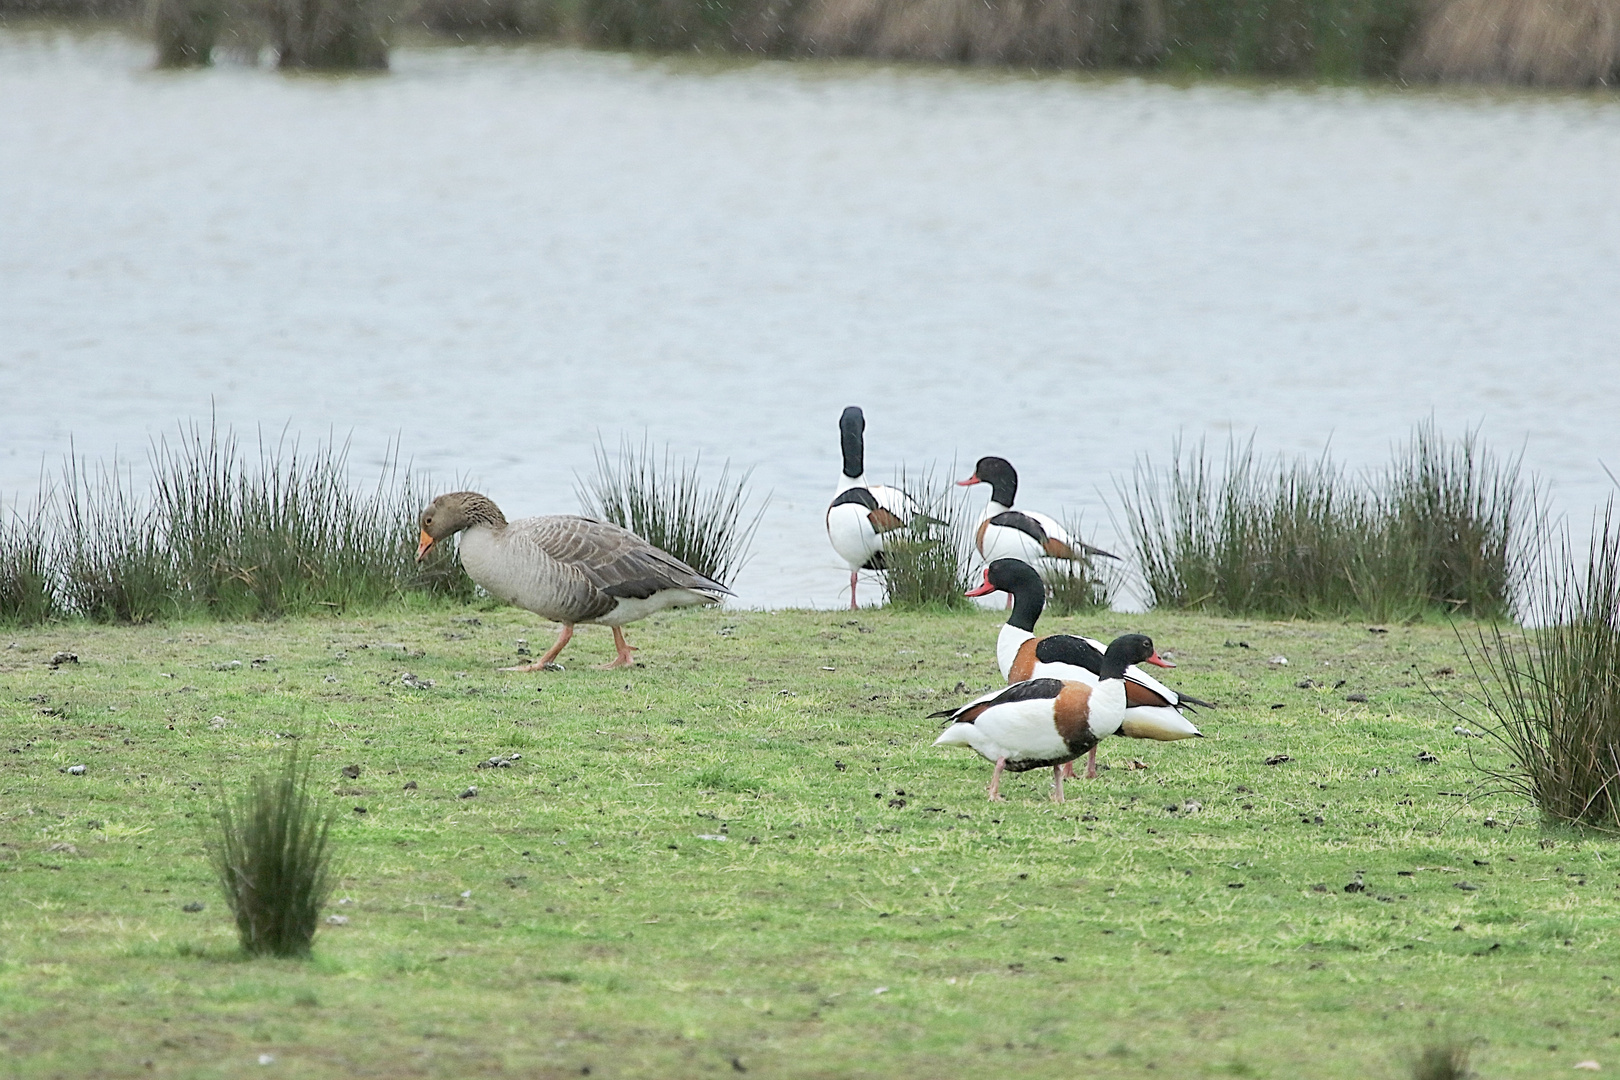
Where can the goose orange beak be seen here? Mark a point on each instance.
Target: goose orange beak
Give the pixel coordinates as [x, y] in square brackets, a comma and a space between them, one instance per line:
[1159, 661]
[970, 481]
[423, 545]
[985, 589]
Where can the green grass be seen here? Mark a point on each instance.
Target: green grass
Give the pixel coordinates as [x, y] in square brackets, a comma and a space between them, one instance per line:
[571, 916]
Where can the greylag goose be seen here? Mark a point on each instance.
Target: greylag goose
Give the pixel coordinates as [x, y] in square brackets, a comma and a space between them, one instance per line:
[1043, 723]
[1153, 709]
[565, 568]
[1005, 533]
[863, 515]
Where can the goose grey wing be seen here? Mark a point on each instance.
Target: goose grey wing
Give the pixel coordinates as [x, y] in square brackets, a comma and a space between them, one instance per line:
[615, 560]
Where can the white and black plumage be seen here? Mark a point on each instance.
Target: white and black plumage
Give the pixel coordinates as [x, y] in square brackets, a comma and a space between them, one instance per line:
[1040, 723]
[1005, 533]
[565, 568]
[1154, 711]
[862, 516]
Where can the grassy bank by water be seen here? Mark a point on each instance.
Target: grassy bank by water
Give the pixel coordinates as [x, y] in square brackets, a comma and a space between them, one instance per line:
[745, 856]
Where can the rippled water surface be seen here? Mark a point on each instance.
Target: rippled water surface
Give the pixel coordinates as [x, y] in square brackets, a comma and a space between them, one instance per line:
[496, 254]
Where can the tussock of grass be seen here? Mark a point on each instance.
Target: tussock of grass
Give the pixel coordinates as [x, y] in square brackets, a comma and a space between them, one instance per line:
[218, 534]
[1081, 586]
[669, 506]
[928, 565]
[1555, 693]
[1442, 1061]
[330, 35]
[1443, 527]
[27, 595]
[273, 857]
[1539, 42]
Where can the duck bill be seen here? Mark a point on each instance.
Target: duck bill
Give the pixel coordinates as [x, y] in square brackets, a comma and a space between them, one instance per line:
[970, 481]
[983, 590]
[1158, 661]
[423, 545]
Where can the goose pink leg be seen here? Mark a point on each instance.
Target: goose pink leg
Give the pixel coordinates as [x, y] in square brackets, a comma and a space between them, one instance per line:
[1057, 782]
[551, 653]
[624, 659]
[1091, 765]
[854, 575]
[995, 781]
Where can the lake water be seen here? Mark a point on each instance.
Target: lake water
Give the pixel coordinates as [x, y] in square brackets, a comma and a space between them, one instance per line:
[496, 255]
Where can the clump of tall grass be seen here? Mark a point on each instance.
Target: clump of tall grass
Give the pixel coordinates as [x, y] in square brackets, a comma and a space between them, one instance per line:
[928, 564]
[113, 561]
[1554, 693]
[27, 589]
[1080, 586]
[1570, 43]
[185, 30]
[271, 851]
[1037, 33]
[1442, 1061]
[1441, 527]
[220, 533]
[669, 506]
[285, 533]
[491, 17]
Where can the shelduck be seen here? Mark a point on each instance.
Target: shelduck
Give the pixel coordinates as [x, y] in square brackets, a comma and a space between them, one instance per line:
[862, 515]
[1005, 533]
[1041, 723]
[568, 569]
[1153, 709]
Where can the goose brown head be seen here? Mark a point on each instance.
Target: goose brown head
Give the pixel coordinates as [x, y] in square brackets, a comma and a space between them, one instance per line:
[449, 514]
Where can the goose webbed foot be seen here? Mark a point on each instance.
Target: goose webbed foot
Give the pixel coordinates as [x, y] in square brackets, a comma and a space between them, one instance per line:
[624, 659]
[548, 662]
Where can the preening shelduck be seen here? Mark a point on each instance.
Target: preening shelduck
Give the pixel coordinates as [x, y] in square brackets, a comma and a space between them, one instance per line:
[862, 515]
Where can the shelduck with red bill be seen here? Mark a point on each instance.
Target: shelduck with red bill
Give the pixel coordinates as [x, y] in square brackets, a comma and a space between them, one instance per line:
[863, 516]
[1046, 723]
[1154, 711]
[1005, 533]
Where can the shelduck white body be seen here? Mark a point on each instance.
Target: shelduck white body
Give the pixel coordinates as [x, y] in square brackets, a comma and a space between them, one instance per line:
[862, 515]
[1153, 709]
[1027, 535]
[1046, 722]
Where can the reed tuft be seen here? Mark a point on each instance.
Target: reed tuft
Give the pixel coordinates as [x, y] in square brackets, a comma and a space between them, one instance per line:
[327, 35]
[1535, 42]
[1442, 1061]
[1443, 527]
[272, 853]
[928, 565]
[27, 590]
[219, 533]
[669, 506]
[1554, 694]
[185, 31]
[1081, 586]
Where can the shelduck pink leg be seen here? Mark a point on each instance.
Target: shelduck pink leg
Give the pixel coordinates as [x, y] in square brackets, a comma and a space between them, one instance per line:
[624, 659]
[1091, 765]
[1057, 783]
[1068, 770]
[551, 653]
[854, 575]
[995, 780]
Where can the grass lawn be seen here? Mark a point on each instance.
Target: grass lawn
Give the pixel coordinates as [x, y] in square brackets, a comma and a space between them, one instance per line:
[745, 856]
